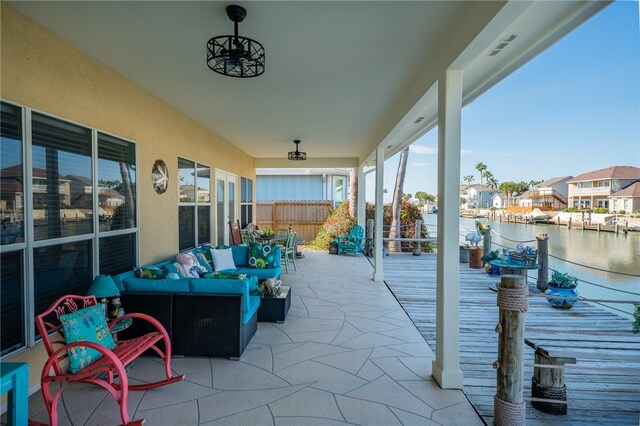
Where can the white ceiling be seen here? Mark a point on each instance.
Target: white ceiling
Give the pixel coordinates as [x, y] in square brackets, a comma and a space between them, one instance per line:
[341, 76]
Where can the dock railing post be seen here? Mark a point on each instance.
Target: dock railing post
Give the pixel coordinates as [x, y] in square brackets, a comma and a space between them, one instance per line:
[543, 260]
[508, 402]
[486, 241]
[417, 234]
[369, 242]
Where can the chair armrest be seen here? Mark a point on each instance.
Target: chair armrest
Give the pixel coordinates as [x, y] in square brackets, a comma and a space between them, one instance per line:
[145, 317]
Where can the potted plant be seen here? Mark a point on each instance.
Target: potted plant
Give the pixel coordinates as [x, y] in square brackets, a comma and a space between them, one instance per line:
[563, 287]
[464, 253]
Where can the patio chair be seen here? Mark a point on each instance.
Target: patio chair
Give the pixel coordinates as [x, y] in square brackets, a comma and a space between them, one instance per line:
[234, 232]
[351, 243]
[289, 252]
[108, 364]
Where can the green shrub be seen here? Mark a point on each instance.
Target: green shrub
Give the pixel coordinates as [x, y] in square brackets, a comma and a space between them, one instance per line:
[408, 215]
[601, 210]
[338, 223]
[563, 280]
[571, 210]
[622, 212]
[636, 322]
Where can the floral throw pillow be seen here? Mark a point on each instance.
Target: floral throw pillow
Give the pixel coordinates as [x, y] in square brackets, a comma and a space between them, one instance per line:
[226, 276]
[151, 273]
[262, 256]
[190, 264]
[203, 261]
[88, 325]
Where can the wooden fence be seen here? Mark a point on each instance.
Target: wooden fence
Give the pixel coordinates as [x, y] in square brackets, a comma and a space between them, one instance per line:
[305, 217]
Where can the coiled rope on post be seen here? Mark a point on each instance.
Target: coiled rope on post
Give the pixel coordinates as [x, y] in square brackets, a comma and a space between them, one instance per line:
[513, 299]
[508, 413]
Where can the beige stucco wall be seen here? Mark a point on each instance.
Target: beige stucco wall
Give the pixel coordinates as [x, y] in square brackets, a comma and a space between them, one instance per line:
[42, 71]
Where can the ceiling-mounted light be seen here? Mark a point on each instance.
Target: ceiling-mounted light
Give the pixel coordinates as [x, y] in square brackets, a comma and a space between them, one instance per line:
[297, 155]
[234, 55]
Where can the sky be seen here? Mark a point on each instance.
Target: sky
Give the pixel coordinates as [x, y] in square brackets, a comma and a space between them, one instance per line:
[574, 108]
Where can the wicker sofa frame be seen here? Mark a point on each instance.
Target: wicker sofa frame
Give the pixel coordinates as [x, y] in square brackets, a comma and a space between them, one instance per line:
[198, 324]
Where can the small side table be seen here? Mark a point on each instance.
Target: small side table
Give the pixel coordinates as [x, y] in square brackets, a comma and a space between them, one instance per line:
[15, 381]
[274, 307]
[514, 268]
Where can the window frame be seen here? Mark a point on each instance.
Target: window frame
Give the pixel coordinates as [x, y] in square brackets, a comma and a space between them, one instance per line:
[245, 202]
[27, 247]
[195, 204]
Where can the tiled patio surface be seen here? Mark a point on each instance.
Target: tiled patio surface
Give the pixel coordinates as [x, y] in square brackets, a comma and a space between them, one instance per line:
[347, 354]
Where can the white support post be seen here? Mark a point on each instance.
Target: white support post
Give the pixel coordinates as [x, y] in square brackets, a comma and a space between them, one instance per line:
[377, 238]
[446, 367]
[362, 198]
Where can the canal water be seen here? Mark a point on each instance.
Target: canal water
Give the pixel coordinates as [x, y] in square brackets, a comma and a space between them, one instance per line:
[585, 249]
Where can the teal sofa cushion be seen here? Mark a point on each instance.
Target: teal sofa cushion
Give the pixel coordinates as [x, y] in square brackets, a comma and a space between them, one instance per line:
[254, 304]
[240, 255]
[158, 286]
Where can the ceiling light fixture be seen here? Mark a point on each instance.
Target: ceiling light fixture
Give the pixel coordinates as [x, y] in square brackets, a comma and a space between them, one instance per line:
[297, 155]
[234, 55]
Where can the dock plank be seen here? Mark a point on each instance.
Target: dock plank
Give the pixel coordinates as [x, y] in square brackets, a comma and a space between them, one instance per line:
[603, 387]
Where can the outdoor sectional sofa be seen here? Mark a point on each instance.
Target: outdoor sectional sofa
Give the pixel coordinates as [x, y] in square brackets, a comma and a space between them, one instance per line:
[203, 316]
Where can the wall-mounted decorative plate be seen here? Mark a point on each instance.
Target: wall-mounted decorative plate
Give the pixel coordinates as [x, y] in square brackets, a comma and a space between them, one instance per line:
[160, 176]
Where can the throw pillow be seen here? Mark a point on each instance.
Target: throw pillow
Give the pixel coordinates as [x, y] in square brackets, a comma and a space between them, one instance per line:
[206, 250]
[176, 270]
[262, 256]
[222, 259]
[226, 276]
[88, 325]
[151, 273]
[203, 261]
[190, 263]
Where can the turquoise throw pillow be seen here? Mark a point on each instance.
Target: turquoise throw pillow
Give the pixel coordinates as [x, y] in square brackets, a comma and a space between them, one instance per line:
[151, 273]
[262, 256]
[176, 270]
[202, 260]
[87, 325]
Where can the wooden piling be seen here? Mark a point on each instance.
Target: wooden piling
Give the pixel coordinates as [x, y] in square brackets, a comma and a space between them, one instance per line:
[569, 223]
[510, 373]
[486, 241]
[543, 260]
[369, 239]
[417, 234]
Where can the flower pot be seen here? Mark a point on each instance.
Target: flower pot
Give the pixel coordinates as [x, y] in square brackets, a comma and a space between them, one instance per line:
[464, 255]
[565, 298]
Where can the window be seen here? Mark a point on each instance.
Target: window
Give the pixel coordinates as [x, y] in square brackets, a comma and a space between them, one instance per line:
[194, 204]
[246, 201]
[75, 218]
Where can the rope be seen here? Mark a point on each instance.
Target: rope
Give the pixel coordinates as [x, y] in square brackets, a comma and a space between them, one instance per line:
[594, 268]
[562, 367]
[586, 333]
[543, 395]
[513, 299]
[580, 298]
[615, 309]
[508, 413]
[509, 239]
[588, 404]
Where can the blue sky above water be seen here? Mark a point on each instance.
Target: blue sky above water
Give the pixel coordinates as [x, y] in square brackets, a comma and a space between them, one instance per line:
[573, 109]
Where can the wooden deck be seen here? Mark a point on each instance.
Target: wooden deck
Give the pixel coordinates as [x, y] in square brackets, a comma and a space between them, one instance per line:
[604, 385]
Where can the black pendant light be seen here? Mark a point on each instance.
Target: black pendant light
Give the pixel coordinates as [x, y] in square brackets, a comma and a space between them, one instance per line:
[234, 55]
[297, 155]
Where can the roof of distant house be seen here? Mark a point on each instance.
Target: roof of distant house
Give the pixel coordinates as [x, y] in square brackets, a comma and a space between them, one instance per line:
[499, 194]
[615, 172]
[632, 190]
[553, 181]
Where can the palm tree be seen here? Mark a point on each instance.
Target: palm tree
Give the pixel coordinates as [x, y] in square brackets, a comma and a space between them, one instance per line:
[508, 188]
[468, 179]
[481, 167]
[396, 207]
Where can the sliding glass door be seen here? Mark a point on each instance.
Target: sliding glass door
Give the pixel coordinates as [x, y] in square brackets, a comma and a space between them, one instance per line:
[226, 205]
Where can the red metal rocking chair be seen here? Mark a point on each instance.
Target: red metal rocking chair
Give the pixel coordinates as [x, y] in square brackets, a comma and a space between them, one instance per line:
[103, 371]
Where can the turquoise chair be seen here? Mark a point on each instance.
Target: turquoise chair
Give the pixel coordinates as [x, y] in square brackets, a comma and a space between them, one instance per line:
[352, 243]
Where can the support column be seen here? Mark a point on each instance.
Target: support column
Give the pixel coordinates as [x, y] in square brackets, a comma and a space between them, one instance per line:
[377, 238]
[446, 367]
[362, 198]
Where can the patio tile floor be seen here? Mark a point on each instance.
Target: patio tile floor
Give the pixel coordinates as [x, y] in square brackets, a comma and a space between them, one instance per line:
[347, 354]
